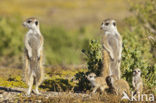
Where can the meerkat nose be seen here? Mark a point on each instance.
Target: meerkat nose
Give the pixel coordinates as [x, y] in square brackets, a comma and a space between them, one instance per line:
[23, 24]
[101, 28]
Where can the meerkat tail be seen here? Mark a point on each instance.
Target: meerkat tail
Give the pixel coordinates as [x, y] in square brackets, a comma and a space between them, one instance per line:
[26, 69]
[41, 70]
[106, 63]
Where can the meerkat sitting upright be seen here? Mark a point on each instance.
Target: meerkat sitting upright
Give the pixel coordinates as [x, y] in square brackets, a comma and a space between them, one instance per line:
[33, 54]
[137, 81]
[112, 43]
[117, 85]
[97, 82]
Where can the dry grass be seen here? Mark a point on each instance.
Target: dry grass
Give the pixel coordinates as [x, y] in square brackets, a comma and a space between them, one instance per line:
[54, 74]
[67, 97]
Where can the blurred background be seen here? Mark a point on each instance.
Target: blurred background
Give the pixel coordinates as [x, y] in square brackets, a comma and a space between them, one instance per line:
[67, 26]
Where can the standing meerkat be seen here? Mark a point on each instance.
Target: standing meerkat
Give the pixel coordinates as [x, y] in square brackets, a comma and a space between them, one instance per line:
[137, 81]
[34, 72]
[112, 43]
[97, 82]
[117, 85]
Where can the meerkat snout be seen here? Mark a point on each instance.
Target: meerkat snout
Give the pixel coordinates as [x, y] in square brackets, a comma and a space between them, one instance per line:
[137, 72]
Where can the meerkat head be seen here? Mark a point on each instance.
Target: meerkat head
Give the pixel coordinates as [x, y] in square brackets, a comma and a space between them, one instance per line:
[136, 72]
[91, 77]
[31, 23]
[109, 25]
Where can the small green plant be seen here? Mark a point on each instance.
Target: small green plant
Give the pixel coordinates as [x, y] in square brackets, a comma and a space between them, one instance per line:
[56, 85]
[94, 61]
[13, 82]
[94, 57]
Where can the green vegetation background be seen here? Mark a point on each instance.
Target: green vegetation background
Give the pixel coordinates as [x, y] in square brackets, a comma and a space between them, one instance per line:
[67, 27]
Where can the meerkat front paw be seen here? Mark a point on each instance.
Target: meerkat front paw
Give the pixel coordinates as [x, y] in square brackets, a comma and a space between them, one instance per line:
[38, 55]
[112, 57]
[119, 60]
[30, 54]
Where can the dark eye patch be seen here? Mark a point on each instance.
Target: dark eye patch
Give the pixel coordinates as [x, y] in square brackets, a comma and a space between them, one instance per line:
[106, 24]
[114, 23]
[29, 21]
[36, 22]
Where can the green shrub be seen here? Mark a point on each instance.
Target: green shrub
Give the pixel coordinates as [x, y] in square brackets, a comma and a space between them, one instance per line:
[11, 47]
[56, 85]
[93, 54]
[135, 54]
[94, 62]
[13, 82]
[146, 18]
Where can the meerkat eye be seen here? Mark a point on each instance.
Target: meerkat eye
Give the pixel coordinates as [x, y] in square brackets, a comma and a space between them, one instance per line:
[28, 21]
[106, 24]
[36, 22]
[114, 23]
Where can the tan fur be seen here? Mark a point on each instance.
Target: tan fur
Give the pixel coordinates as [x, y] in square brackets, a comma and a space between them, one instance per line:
[137, 81]
[97, 82]
[118, 85]
[33, 67]
[112, 43]
[105, 62]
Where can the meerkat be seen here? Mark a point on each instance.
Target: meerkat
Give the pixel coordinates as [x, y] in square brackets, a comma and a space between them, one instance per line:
[137, 81]
[112, 43]
[34, 72]
[105, 64]
[97, 82]
[117, 85]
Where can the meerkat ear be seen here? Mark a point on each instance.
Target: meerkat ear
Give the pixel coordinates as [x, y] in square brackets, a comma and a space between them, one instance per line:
[36, 22]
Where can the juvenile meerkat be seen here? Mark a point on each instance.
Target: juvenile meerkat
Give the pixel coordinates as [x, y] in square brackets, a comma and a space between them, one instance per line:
[112, 43]
[34, 72]
[97, 82]
[117, 85]
[137, 81]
